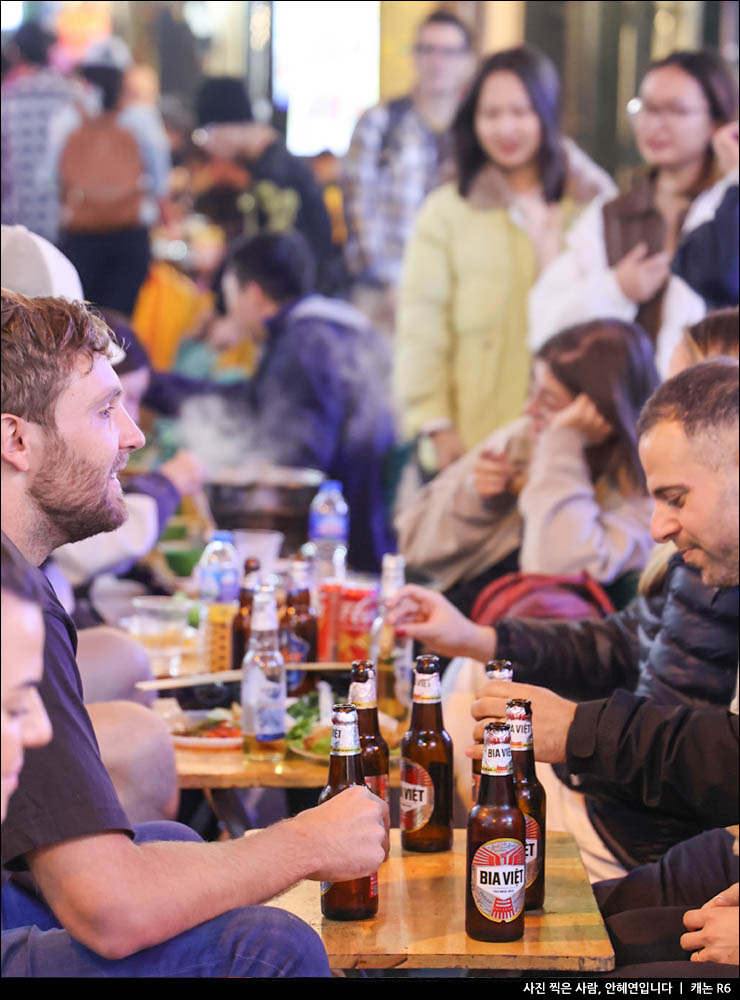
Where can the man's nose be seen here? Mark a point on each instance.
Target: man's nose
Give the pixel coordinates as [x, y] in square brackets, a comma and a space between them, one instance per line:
[131, 438]
[664, 525]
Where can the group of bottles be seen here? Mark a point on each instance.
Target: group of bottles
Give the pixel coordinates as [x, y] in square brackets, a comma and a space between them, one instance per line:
[506, 831]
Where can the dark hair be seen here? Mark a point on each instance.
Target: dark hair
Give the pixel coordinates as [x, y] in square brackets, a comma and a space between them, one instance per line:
[612, 362]
[33, 42]
[540, 79]
[42, 341]
[109, 80]
[282, 264]
[700, 398]
[446, 17]
[19, 577]
[717, 333]
[712, 74]
[222, 99]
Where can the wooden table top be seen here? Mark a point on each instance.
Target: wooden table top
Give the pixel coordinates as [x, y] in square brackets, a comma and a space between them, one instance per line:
[421, 918]
[230, 769]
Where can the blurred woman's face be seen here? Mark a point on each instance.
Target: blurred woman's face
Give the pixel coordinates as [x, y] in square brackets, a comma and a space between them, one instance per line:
[547, 396]
[673, 126]
[23, 720]
[506, 125]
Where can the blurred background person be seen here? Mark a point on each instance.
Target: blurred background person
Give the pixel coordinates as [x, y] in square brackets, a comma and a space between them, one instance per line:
[560, 490]
[32, 95]
[400, 150]
[247, 182]
[113, 169]
[462, 362]
[618, 257]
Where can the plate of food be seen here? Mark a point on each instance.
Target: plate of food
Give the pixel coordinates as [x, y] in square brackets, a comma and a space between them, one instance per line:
[310, 739]
[217, 729]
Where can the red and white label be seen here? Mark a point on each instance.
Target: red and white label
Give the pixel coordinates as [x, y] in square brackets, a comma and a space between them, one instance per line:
[380, 785]
[362, 694]
[417, 796]
[427, 689]
[533, 849]
[497, 879]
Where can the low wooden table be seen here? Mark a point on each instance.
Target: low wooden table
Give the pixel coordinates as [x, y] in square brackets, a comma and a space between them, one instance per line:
[421, 918]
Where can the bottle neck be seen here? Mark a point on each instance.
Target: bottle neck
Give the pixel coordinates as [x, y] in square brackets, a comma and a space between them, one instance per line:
[345, 770]
[367, 721]
[523, 764]
[426, 717]
[299, 599]
[496, 790]
[263, 640]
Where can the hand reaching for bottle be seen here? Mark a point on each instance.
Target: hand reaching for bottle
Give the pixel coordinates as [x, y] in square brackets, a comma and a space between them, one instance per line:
[429, 617]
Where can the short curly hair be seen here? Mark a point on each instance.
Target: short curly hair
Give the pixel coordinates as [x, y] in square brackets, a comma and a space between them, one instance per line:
[701, 398]
[43, 340]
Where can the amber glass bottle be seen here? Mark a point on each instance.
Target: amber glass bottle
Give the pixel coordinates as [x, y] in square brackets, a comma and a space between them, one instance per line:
[299, 630]
[375, 756]
[242, 623]
[426, 766]
[495, 883]
[358, 898]
[530, 797]
[496, 670]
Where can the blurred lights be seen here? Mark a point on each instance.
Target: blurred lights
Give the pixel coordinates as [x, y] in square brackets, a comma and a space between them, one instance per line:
[11, 15]
[664, 22]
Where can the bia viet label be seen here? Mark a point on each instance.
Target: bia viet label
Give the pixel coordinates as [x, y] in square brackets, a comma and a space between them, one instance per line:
[521, 733]
[345, 739]
[326, 886]
[362, 694]
[533, 850]
[496, 759]
[380, 785]
[497, 879]
[417, 796]
[427, 689]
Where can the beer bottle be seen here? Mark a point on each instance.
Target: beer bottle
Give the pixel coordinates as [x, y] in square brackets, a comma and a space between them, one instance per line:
[263, 683]
[362, 694]
[241, 625]
[358, 898]
[530, 797]
[495, 889]
[496, 670]
[426, 766]
[299, 629]
[392, 654]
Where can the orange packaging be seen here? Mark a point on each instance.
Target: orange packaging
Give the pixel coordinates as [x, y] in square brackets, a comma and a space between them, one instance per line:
[359, 607]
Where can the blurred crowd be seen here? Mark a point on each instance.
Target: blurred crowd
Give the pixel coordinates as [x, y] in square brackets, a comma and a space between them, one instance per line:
[460, 321]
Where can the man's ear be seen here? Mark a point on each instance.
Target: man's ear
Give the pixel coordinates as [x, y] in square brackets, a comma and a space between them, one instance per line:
[14, 442]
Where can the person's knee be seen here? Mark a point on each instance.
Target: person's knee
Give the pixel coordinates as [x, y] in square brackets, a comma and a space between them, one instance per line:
[111, 664]
[267, 941]
[137, 751]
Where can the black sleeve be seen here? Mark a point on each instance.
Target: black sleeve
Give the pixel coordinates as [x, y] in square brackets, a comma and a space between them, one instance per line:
[708, 258]
[681, 760]
[578, 660]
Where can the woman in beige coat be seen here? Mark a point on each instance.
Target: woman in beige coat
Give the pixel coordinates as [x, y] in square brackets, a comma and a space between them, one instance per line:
[462, 362]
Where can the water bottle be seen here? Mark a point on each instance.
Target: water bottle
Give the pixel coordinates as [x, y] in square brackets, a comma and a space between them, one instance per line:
[328, 530]
[392, 653]
[218, 574]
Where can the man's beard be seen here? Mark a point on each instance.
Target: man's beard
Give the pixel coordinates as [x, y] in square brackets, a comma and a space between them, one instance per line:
[74, 495]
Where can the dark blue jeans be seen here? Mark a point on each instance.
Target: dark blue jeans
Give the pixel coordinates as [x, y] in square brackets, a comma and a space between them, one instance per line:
[253, 941]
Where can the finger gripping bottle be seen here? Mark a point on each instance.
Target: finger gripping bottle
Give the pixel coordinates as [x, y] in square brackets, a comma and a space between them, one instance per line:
[356, 899]
[496, 670]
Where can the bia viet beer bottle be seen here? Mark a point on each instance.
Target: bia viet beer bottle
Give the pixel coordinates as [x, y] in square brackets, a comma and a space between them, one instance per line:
[358, 898]
[496, 670]
[495, 884]
[375, 759]
[530, 797]
[426, 766]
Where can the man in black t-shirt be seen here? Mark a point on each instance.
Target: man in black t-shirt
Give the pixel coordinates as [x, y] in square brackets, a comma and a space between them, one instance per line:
[100, 902]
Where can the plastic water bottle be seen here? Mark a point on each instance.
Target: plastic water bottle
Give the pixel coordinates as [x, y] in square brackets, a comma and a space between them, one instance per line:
[218, 576]
[328, 530]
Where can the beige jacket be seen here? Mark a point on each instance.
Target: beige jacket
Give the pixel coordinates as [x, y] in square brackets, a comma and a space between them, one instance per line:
[561, 522]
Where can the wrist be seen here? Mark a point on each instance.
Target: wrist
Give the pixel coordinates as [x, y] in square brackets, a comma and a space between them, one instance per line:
[481, 643]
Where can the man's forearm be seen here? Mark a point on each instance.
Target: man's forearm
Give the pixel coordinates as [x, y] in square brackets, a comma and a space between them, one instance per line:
[142, 895]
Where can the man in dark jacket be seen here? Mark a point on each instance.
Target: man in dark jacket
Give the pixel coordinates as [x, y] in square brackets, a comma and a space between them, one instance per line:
[689, 448]
[319, 398]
